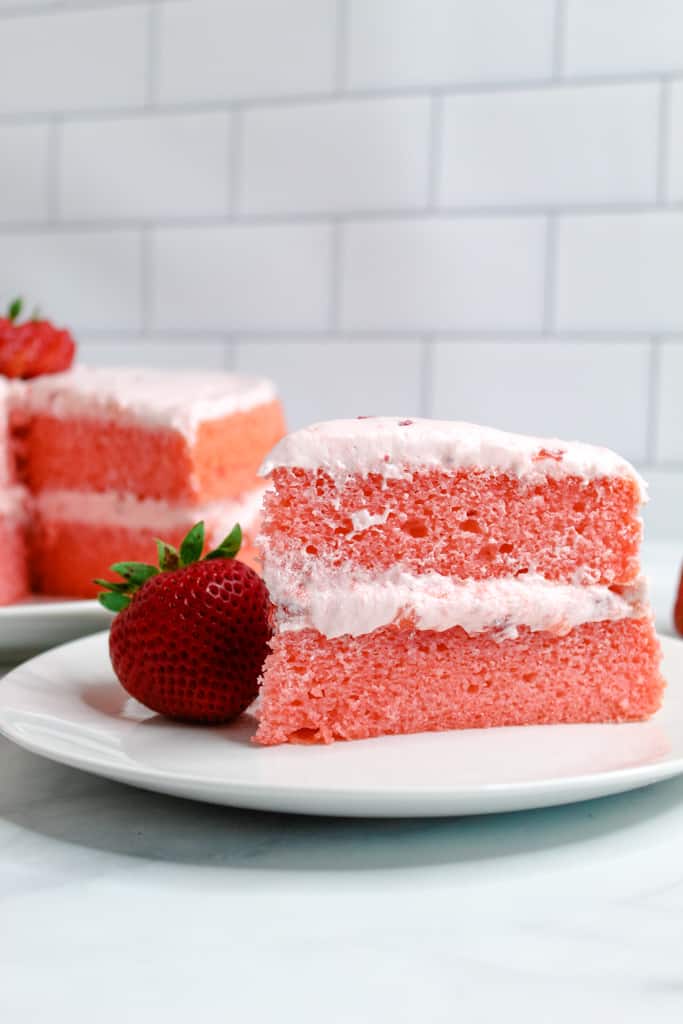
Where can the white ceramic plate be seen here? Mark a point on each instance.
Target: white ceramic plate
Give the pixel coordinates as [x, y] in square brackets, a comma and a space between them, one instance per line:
[67, 705]
[41, 622]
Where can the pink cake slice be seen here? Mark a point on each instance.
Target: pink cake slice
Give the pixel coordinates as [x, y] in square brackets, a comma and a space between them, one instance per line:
[430, 575]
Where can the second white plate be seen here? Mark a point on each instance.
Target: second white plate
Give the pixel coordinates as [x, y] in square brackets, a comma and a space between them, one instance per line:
[41, 622]
[67, 705]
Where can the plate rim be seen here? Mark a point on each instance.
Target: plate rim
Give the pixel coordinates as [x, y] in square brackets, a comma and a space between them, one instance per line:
[143, 776]
[58, 606]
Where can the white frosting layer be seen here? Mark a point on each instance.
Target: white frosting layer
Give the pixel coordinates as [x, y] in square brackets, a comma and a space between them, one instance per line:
[336, 604]
[101, 509]
[14, 502]
[395, 447]
[179, 400]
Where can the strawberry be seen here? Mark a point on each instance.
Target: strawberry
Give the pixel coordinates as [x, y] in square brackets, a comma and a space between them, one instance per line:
[678, 607]
[34, 347]
[191, 636]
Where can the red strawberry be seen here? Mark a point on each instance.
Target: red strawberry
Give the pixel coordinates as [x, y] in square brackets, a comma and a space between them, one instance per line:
[34, 347]
[678, 607]
[190, 638]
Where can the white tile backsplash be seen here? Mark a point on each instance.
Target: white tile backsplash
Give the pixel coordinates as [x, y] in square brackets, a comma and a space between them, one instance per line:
[551, 146]
[620, 272]
[322, 379]
[171, 353]
[394, 43]
[73, 60]
[454, 207]
[662, 514]
[440, 274]
[147, 167]
[255, 277]
[227, 49]
[674, 148]
[670, 410]
[342, 155]
[23, 172]
[620, 36]
[89, 280]
[548, 388]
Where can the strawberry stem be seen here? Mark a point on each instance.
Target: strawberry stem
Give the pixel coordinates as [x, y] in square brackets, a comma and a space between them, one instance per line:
[14, 309]
[118, 595]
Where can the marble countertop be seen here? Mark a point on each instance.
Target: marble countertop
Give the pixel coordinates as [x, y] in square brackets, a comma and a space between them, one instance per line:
[119, 905]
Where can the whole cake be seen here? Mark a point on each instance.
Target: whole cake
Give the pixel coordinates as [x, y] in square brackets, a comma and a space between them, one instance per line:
[432, 575]
[112, 458]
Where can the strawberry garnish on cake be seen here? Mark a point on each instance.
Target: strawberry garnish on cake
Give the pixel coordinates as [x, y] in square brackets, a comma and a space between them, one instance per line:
[34, 347]
[191, 634]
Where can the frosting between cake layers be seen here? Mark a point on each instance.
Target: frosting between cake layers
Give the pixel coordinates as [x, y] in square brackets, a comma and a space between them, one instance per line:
[111, 507]
[337, 604]
[395, 447]
[13, 501]
[178, 400]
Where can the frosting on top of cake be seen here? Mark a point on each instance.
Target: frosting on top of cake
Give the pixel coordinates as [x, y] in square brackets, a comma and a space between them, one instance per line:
[336, 603]
[178, 399]
[393, 447]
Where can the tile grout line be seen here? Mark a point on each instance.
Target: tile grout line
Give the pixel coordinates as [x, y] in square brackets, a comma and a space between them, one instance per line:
[32, 9]
[503, 86]
[663, 125]
[550, 256]
[389, 334]
[651, 438]
[435, 150]
[358, 216]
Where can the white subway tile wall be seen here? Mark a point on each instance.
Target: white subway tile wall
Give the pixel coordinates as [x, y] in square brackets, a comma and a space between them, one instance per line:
[462, 208]
[336, 379]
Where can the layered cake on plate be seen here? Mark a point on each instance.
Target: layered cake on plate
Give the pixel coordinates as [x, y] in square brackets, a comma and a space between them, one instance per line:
[113, 458]
[433, 575]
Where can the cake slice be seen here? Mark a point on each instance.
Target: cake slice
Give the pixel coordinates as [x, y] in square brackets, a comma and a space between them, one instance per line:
[116, 457]
[13, 513]
[431, 575]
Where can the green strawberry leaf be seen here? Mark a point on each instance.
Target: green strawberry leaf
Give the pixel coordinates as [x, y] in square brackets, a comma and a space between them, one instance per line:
[113, 602]
[192, 545]
[135, 572]
[116, 588]
[229, 547]
[14, 309]
[169, 559]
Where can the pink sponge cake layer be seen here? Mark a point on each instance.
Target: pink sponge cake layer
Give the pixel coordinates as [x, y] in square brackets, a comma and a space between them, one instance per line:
[430, 575]
[14, 584]
[166, 436]
[403, 680]
[75, 537]
[470, 524]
